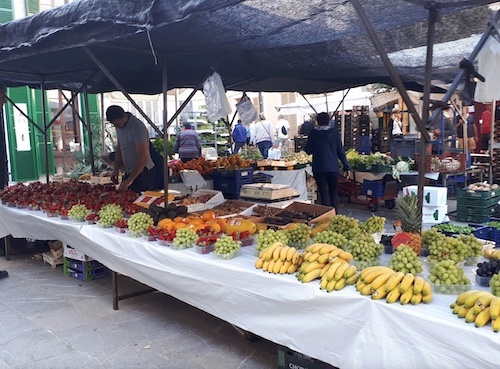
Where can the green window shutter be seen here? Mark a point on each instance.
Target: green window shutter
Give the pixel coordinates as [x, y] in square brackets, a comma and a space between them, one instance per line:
[22, 163]
[32, 7]
[40, 139]
[6, 13]
[95, 121]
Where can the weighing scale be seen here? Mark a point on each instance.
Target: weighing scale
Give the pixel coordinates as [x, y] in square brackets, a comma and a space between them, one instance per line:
[268, 191]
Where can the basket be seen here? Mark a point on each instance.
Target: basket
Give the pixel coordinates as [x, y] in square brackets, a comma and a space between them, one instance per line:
[445, 163]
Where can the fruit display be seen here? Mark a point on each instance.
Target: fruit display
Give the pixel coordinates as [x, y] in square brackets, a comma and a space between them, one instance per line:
[202, 165]
[232, 162]
[298, 235]
[301, 215]
[336, 275]
[448, 277]
[342, 224]
[495, 284]
[405, 260]
[382, 282]
[268, 237]
[78, 212]
[488, 268]
[481, 186]
[364, 248]
[171, 211]
[478, 307]
[184, 238]
[331, 238]
[230, 207]
[238, 225]
[166, 237]
[318, 256]
[139, 223]
[474, 247]
[226, 247]
[265, 211]
[279, 259]
[410, 216]
[152, 232]
[373, 224]
[492, 254]
[452, 228]
[195, 199]
[121, 224]
[300, 157]
[109, 214]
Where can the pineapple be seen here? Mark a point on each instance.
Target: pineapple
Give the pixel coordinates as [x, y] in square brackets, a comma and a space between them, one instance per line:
[410, 215]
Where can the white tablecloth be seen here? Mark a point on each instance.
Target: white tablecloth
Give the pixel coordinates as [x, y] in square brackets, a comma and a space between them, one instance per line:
[294, 178]
[342, 328]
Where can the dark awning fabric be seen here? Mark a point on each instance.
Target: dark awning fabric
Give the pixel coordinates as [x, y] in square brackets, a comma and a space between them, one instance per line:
[255, 45]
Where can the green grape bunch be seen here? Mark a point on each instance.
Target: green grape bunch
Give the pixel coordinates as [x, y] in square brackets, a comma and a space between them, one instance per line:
[342, 223]
[268, 237]
[474, 247]
[298, 236]
[405, 260]
[184, 238]
[226, 246]
[450, 248]
[448, 277]
[139, 222]
[331, 238]
[431, 237]
[495, 284]
[109, 214]
[79, 212]
[373, 224]
[364, 248]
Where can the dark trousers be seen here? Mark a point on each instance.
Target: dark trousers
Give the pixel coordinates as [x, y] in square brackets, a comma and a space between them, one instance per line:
[264, 147]
[327, 188]
[238, 146]
[143, 182]
[485, 141]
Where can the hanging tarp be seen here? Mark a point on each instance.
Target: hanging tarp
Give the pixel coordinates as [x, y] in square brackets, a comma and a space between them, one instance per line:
[282, 45]
[488, 61]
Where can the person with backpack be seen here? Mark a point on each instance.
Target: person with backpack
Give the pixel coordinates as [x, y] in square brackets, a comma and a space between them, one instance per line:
[282, 130]
[325, 145]
[239, 136]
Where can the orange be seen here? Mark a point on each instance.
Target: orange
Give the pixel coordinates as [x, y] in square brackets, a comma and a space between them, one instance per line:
[179, 225]
[222, 224]
[179, 219]
[196, 221]
[215, 225]
[208, 215]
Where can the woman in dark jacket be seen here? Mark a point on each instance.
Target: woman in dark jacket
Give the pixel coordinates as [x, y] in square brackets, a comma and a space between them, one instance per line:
[325, 145]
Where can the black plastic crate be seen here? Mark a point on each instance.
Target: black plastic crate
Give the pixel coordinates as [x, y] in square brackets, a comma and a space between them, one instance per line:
[243, 174]
[291, 359]
[230, 188]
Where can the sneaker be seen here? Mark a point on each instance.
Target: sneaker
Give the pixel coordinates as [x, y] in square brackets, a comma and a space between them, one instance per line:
[3, 274]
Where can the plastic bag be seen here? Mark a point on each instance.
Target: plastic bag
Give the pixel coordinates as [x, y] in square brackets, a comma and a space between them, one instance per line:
[246, 110]
[215, 95]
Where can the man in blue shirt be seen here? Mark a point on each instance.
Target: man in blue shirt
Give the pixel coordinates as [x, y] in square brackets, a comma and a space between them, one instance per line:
[239, 136]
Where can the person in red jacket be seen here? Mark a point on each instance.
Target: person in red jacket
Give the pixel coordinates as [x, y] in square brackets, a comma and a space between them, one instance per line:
[486, 128]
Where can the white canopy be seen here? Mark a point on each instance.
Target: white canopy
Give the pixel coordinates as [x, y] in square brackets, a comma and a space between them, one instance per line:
[488, 61]
[324, 104]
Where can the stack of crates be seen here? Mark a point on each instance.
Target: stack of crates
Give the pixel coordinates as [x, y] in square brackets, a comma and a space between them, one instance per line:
[230, 182]
[380, 140]
[80, 266]
[84, 270]
[476, 206]
[360, 124]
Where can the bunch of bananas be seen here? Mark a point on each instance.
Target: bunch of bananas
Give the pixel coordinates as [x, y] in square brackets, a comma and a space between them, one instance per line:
[336, 275]
[279, 258]
[380, 282]
[479, 307]
[318, 256]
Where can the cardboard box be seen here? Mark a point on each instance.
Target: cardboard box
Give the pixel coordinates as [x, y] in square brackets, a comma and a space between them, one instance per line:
[434, 214]
[289, 359]
[71, 253]
[433, 196]
[154, 197]
[324, 212]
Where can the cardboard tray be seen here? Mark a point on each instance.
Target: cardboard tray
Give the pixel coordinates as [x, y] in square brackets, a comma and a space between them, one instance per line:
[324, 212]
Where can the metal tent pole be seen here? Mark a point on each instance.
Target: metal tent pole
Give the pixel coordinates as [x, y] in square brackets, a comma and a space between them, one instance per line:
[89, 129]
[165, 128]
[45, 129]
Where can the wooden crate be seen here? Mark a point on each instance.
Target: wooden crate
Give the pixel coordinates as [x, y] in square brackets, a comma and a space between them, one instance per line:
[51, 260]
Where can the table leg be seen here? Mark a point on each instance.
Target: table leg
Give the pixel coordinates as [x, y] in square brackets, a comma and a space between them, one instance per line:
[114, 282]
[6, 241]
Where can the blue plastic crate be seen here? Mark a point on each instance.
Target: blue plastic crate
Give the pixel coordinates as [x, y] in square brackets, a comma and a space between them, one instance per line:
[373, 188]
[230, 188]
[488, 233]
[364, 149]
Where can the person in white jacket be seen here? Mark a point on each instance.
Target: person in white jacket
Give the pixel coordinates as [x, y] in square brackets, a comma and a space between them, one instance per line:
[263, 132]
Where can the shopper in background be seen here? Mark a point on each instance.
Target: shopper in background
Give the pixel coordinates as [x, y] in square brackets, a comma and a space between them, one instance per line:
[132, 151]
[282, 129]
[471, 129]
[396, 122]
[239, 136]
[306, 127]
[325, 145]
[263, 136]
[3, 99]
[486, 128]
[188, 144]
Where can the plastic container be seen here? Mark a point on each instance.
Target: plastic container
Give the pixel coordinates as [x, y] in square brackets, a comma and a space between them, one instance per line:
[134, 234]
[149, 238]
[120, 230]
[482, 281]
[77, 219]
[103, 225]
[388, 249]
[250, 241]
[164, 243]
[471, 261]
[449, 289]
[226, 256]
[181, 246]
[360, 265]
[424, 252]
[51, 215]
[204, 249]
